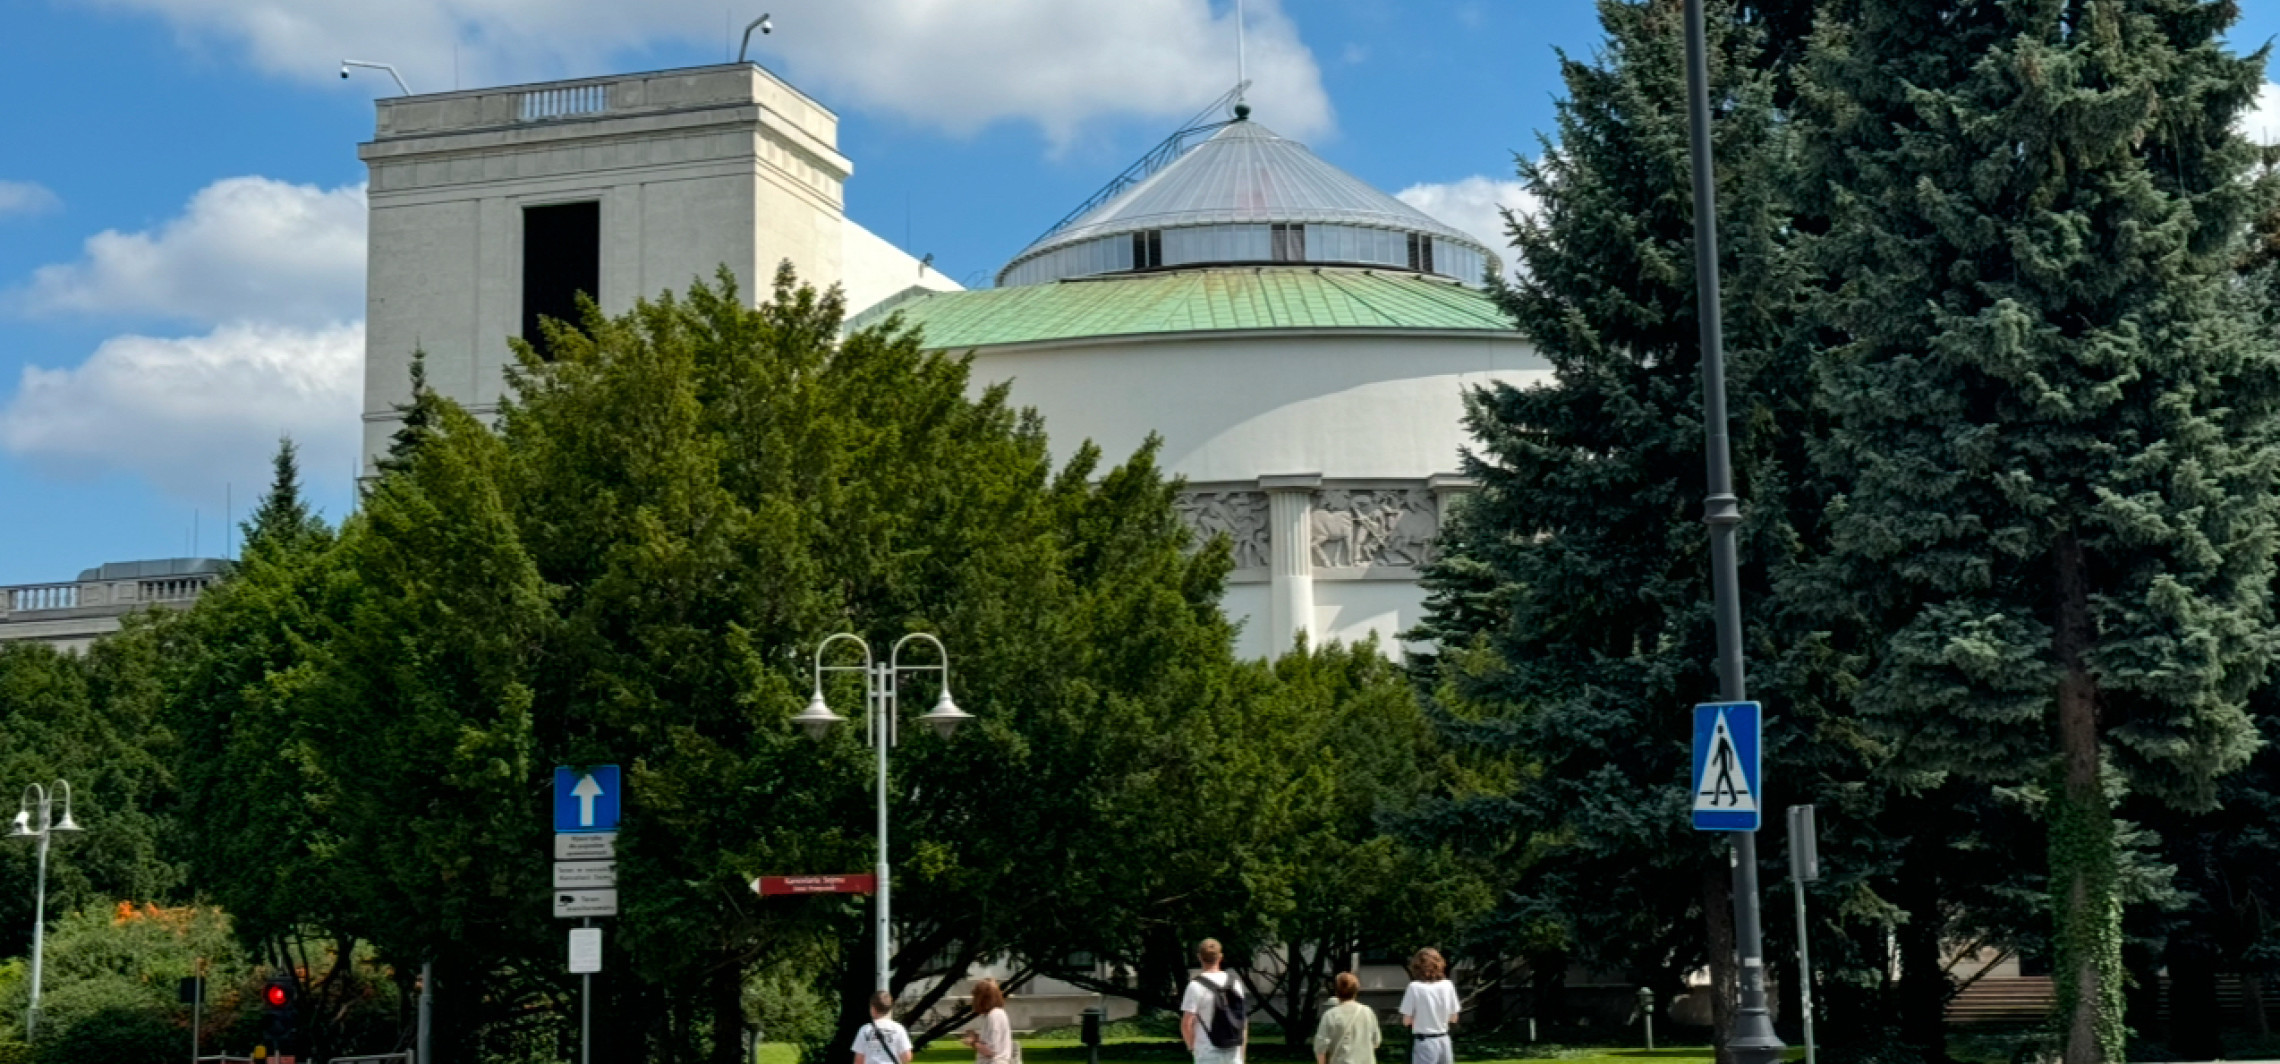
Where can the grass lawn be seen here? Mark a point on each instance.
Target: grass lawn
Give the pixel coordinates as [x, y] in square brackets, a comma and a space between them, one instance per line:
[1156, 1051]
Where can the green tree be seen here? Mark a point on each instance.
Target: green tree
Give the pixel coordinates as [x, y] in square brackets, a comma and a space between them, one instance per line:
[1355, 886]
[635, 565]
[2051, 413]
[1580, 570]
[283, 523]
[109, 991]
[240, 662]
[93, 721]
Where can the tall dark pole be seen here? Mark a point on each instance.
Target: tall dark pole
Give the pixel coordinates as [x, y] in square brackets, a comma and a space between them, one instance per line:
[1753, 1040]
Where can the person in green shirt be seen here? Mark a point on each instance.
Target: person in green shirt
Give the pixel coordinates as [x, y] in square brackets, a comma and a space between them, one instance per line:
[1348, 1033]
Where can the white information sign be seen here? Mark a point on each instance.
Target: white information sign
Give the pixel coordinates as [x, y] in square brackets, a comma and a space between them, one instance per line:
[584, 875]
[585, 903]
[585, 950]
[591, 846]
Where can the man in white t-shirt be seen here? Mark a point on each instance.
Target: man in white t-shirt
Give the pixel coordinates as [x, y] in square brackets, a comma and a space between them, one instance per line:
[1429, 1009]
[882, 1041]
[1199, 1006]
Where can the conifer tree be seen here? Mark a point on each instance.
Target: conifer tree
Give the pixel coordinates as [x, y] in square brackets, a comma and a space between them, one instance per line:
[2051, 413]
[283, 521]
[635, 565]
[1580, 571]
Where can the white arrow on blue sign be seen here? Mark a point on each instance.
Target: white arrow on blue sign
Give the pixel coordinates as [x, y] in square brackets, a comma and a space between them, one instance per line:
[1727, 780]
[585, 800]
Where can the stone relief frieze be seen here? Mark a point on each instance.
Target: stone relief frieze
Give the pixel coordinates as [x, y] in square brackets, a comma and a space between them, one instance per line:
[1373, 527]
[1241, 516]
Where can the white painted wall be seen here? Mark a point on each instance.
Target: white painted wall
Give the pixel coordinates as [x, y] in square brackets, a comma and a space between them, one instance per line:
[871, 269]
[1233, 407]
[694, 169]
[1238, 406]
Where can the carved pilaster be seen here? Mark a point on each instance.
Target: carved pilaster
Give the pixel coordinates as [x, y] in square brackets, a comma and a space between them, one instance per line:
[1290, 501]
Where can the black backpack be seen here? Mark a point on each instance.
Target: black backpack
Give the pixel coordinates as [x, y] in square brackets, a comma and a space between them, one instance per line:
[1230, 1014]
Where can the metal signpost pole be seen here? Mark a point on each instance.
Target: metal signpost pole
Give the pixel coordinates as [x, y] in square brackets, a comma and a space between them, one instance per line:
[883, 732]
[197, 1003]
[427, 1010]
[1804, 867]
[587, 804]
[1753, 1040]
[585, 1011]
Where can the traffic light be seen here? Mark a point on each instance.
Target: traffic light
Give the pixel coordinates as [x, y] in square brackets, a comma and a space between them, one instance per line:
[278, 999]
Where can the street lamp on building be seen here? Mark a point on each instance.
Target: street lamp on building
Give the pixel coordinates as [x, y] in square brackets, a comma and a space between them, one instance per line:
[35, 818]
[880, 720]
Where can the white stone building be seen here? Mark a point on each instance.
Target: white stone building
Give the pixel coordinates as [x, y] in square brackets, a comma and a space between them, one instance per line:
[490, 207]
[1302, 343]
[72, 615]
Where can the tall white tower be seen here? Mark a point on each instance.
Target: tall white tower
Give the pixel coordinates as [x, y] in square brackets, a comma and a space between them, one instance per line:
[491, 207]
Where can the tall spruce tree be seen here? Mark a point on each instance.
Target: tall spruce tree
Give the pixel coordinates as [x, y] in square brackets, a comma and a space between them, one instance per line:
[2051, 413]
[283, 521]
[1580, 571]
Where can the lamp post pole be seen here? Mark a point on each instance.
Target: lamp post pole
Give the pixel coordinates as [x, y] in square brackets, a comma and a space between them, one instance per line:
[1753, 1040]
[42, 799]
[880, 699]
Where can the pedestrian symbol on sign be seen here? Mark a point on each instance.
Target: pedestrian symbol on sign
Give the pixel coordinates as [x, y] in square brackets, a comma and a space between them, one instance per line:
[1726, 766]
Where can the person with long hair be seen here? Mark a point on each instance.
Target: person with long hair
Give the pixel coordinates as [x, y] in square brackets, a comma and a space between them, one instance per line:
[991, 1034]
[1348, 1031]
[1429, 1009]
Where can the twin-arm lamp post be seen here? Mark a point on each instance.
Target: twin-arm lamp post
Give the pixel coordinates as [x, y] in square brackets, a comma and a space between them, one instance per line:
[880, 719]
[38, 808]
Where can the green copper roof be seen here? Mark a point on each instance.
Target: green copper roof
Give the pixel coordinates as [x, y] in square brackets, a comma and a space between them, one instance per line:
[1258, 297]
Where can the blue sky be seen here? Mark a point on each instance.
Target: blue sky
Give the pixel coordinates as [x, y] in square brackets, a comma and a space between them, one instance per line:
[181, 219]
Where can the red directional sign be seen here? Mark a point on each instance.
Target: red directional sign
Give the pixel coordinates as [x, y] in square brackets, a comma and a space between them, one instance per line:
[862, 884]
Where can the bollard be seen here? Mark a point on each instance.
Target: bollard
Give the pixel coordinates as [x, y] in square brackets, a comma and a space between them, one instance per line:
[1647, 1013]
[1090, 1036]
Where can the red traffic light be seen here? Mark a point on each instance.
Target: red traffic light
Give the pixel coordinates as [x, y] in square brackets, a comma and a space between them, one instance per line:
[277, 996]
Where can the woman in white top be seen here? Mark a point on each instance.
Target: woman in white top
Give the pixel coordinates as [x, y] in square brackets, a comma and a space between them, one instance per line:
[1429, 1009]
[991, 1036]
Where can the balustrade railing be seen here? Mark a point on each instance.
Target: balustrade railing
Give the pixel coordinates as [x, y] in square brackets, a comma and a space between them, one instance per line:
[173, 588]
[36, 598]
[43, 597]
[564, 102]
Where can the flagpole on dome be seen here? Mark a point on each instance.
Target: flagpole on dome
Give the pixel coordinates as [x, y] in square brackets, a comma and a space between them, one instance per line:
[1241, 82]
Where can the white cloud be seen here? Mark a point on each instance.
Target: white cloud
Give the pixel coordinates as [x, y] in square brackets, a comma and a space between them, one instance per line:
[246, 248]
[26, 197]
[1474, 205]
[954, 66]
[190, 414]
[275, 274]
[2262, 122]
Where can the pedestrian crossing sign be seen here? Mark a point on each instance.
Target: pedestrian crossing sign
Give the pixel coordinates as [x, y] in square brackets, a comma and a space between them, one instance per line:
[1727, 781]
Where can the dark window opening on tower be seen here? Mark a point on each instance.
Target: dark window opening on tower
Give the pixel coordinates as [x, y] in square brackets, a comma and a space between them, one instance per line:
[562, 256]
[1420, 253]
[1289, 242]
[1148, 249]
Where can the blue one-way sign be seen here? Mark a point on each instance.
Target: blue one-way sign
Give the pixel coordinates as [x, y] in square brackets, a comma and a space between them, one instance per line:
[585, 799]
[1726, 777]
